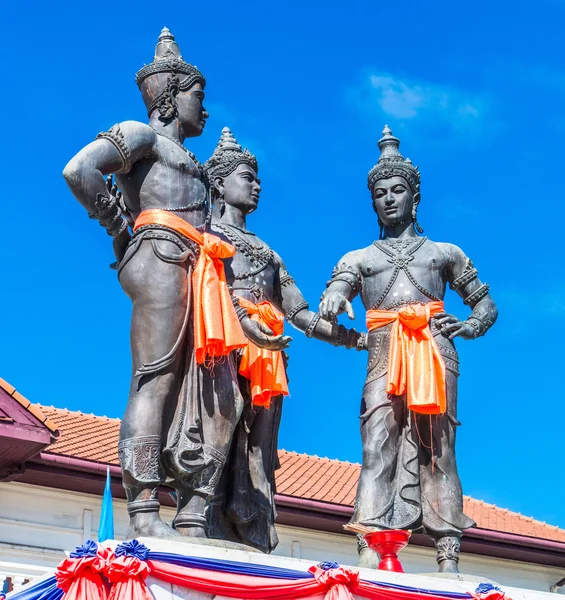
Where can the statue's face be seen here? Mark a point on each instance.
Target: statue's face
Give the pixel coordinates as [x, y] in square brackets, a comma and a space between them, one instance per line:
[191, 113]
[242, 188]
[393, 200]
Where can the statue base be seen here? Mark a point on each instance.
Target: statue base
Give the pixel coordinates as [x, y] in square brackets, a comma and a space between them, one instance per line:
[207, 565]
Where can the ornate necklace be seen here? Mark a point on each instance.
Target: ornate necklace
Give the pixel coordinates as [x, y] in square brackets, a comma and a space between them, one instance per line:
[398, 245]
[181, 146]
[260, 256]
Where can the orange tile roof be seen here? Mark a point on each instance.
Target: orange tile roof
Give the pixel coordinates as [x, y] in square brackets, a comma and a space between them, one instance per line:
[94, 438]
[34, 409]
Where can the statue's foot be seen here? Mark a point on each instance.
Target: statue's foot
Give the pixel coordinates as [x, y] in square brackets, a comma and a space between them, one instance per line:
[197, 531]
[449, 566]
[149, 524]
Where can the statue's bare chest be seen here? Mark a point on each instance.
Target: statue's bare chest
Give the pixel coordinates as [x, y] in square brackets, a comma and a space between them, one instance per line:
[252, 269]
[168, 177]
[402, 271]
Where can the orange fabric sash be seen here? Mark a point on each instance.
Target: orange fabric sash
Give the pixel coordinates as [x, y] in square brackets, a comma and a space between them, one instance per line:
[264, 368]
[415, 365]
[217, 330]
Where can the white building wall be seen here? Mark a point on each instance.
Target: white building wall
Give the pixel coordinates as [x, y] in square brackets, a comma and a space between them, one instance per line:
[38, 525]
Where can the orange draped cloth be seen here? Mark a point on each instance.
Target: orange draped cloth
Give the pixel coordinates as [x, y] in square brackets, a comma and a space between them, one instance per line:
[415, 365]
[217, 330]
[264, 368]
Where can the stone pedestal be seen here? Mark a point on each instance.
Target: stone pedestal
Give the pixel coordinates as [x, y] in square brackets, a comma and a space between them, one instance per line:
[433, 581]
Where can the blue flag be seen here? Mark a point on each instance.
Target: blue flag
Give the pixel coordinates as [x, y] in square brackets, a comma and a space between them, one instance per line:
[106, 528]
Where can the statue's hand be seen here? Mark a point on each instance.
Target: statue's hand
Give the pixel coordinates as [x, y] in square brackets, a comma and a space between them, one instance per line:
[333, 304]
[452, 327]
[262, 336]
[107, 209]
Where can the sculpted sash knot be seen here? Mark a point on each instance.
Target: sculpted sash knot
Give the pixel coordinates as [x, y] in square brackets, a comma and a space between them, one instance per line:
[264, 368]
[217, 330]
[415, 365]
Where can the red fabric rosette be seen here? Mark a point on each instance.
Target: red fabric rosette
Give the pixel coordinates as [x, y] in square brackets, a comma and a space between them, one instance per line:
[127, 575]
[337, 583]
[81, 578]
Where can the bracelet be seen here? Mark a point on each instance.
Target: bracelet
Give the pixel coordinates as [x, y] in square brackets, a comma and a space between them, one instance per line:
[464, 279]
[114, 231]
[361, 342]
[338, 334]
[312, 325]
[477, 295]
[294, 311]
[241, 312]
[351, 340]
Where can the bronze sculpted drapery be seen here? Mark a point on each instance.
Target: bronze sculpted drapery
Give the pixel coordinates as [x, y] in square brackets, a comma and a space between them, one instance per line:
[243, 507]
[179, 422]
[409, 476]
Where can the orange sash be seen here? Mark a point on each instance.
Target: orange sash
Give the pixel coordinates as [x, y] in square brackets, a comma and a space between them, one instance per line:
[264, 368]
[415, 365]
[217, 330]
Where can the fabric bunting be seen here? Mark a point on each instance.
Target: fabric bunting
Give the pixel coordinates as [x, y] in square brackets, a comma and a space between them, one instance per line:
[95, 572]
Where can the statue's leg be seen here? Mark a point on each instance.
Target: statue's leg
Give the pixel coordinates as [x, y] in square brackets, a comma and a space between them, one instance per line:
[380, 435]
[221, 408]
[381, 423]
[442, 495]
[159, 291]
[447, 553]
[252, 486]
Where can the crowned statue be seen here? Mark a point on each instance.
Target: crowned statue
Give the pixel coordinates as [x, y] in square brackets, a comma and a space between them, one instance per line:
[179, 421]
[408, 416]
[243, 507]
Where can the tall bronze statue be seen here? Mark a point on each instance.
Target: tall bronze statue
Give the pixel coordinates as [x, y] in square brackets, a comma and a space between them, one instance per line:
[409, 407]
[243, 508]
[179, 422]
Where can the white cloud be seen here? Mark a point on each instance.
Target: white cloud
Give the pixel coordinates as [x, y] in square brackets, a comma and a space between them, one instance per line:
[384, 95]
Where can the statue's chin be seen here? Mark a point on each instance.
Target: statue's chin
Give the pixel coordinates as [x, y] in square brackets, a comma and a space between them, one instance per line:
[394, 222]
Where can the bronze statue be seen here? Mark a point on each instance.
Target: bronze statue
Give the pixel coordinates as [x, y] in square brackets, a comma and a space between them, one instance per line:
[409, 407]
[243, 508]
[179, 422]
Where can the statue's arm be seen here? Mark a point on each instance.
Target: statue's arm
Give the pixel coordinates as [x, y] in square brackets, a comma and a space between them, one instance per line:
[290, 301]
[344, 285]
[463, 278]
[114, 151]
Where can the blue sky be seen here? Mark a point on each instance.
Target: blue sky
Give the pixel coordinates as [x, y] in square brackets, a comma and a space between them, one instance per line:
[476, 93]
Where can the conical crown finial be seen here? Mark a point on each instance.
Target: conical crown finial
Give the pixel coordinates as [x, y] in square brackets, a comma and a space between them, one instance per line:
[227, 156]
[391, 163]
[166, 34]
[168, 59]
[228, 141]
[166, 47]
[388, 144]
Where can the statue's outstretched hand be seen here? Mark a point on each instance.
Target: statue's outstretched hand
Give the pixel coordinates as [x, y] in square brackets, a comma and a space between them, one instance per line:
[451, 327]
[262, 336]
[333, 304]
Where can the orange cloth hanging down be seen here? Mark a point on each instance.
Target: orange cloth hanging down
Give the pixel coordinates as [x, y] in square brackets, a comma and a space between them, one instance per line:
[217, 330]
[264, 368]
[415, 365]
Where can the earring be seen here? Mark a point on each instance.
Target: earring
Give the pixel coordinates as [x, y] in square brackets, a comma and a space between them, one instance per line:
[419, 229]
[381, 230]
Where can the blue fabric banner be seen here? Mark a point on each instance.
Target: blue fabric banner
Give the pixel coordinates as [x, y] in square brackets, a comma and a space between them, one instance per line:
[106, 527]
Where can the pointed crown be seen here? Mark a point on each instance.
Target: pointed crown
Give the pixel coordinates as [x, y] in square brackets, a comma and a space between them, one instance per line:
[168, 59]
[391, 163]
[227, 156]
